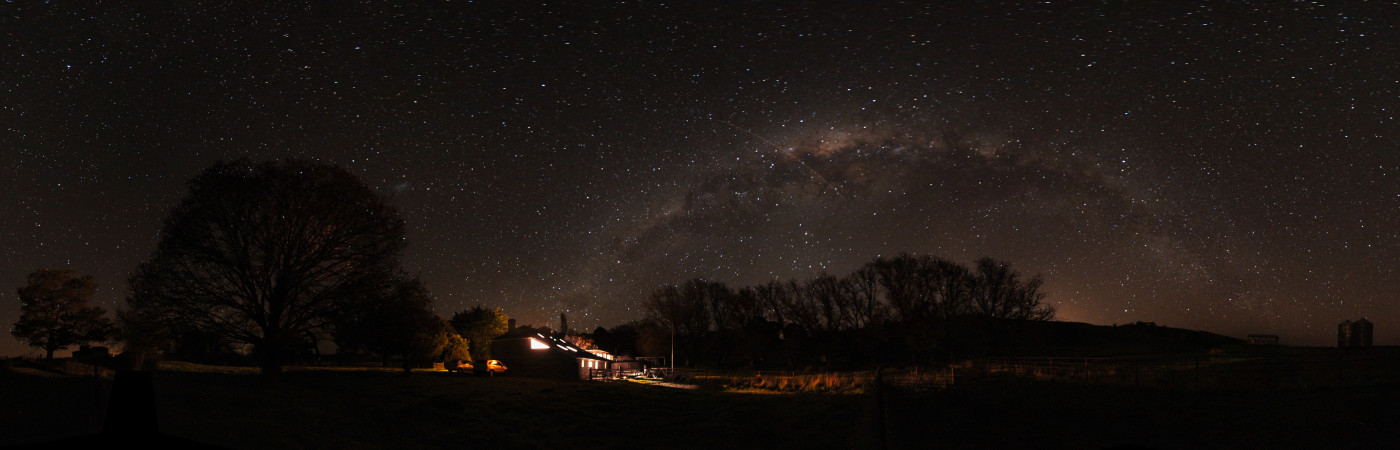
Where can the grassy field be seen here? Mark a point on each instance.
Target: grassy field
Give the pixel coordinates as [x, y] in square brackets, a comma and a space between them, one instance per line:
[372, 409]
[1038, 414]
[42, 406]
[359, 408]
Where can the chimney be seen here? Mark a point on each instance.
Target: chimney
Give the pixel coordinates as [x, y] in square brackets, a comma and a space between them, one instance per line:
[510, 325]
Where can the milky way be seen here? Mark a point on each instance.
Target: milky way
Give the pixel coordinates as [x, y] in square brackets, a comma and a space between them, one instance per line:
[1218, 166]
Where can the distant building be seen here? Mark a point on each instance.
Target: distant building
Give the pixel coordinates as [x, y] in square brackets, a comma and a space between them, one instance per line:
[1263, 339]
[1354, 334]
[85, 352]
[530, 353]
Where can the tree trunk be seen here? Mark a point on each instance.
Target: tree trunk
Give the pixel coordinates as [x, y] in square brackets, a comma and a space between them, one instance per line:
[271, 368]
[269, 355]
[48, 358]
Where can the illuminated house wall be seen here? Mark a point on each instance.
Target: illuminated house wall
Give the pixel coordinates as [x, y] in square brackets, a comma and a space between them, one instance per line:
[527, 353]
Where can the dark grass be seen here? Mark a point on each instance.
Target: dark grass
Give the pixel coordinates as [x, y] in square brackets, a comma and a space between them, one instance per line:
[383, 409]
[1039, 414]
[35, 408]
[437, 410]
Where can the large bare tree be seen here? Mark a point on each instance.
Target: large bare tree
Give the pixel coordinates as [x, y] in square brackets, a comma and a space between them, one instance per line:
[261, 253]
[998, 291]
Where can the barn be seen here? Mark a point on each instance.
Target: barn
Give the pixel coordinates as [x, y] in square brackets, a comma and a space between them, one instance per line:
[530, 353]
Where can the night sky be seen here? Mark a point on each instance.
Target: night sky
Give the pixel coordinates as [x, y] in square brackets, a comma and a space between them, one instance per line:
[1221, 166]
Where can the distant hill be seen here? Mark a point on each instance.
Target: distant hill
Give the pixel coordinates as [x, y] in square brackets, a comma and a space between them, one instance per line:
[982, 337]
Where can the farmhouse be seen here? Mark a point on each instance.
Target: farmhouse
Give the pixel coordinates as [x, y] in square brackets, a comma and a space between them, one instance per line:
[531, 353]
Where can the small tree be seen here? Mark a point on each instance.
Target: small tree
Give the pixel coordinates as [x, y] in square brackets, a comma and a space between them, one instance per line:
[54, 314]
[478, 325]
[456, 348]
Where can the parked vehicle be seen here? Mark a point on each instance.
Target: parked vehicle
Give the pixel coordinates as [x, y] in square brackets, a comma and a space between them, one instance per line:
[489, 367]
[459, 367]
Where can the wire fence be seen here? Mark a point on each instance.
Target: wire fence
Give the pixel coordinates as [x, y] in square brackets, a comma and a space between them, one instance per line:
[1263, 371]
[916, 378]
[1314, 369]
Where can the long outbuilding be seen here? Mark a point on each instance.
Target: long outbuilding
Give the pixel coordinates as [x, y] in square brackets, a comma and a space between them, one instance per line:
[527, 352]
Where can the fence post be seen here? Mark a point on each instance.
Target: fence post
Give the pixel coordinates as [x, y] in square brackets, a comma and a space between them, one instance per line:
[1341, 379]
[881, 425]
[1198, 371]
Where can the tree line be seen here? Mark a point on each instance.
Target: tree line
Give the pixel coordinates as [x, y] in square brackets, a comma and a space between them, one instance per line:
[905, 308]
[262, 261]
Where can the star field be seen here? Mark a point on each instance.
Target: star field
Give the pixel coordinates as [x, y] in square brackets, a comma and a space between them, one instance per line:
[1222, 166]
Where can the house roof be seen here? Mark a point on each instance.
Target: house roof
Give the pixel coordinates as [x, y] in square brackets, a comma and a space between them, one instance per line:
[555, 344]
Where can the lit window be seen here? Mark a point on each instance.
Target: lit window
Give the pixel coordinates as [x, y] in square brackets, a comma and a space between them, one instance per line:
[537, 345]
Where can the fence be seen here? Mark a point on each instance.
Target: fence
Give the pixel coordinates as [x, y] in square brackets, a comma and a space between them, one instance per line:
[823, 381]
[1303, 369]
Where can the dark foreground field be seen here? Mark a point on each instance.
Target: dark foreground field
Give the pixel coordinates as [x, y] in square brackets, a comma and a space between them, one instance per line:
[46, 406]
[366, 409]
[439, 410]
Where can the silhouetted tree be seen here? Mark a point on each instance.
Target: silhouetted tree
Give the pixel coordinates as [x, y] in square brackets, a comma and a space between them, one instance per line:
[923, 293]
[682, 308]
[824, 293]
[719, 300]
[603, 339]
[54, 314]
[395, 318]
[997, 291]
[758, 341]
[261, 253]
[792, 304]
[917, 306]
[456, 348]
[922, 288]
[744, 306]
[619, 340]
[861, 298]
[145, 339]
[685, 310]
[478, 325]
[653, 338]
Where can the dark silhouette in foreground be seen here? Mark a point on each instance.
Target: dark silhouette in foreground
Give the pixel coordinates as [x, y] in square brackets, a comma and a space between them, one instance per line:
[264, 254]
[130, 420]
